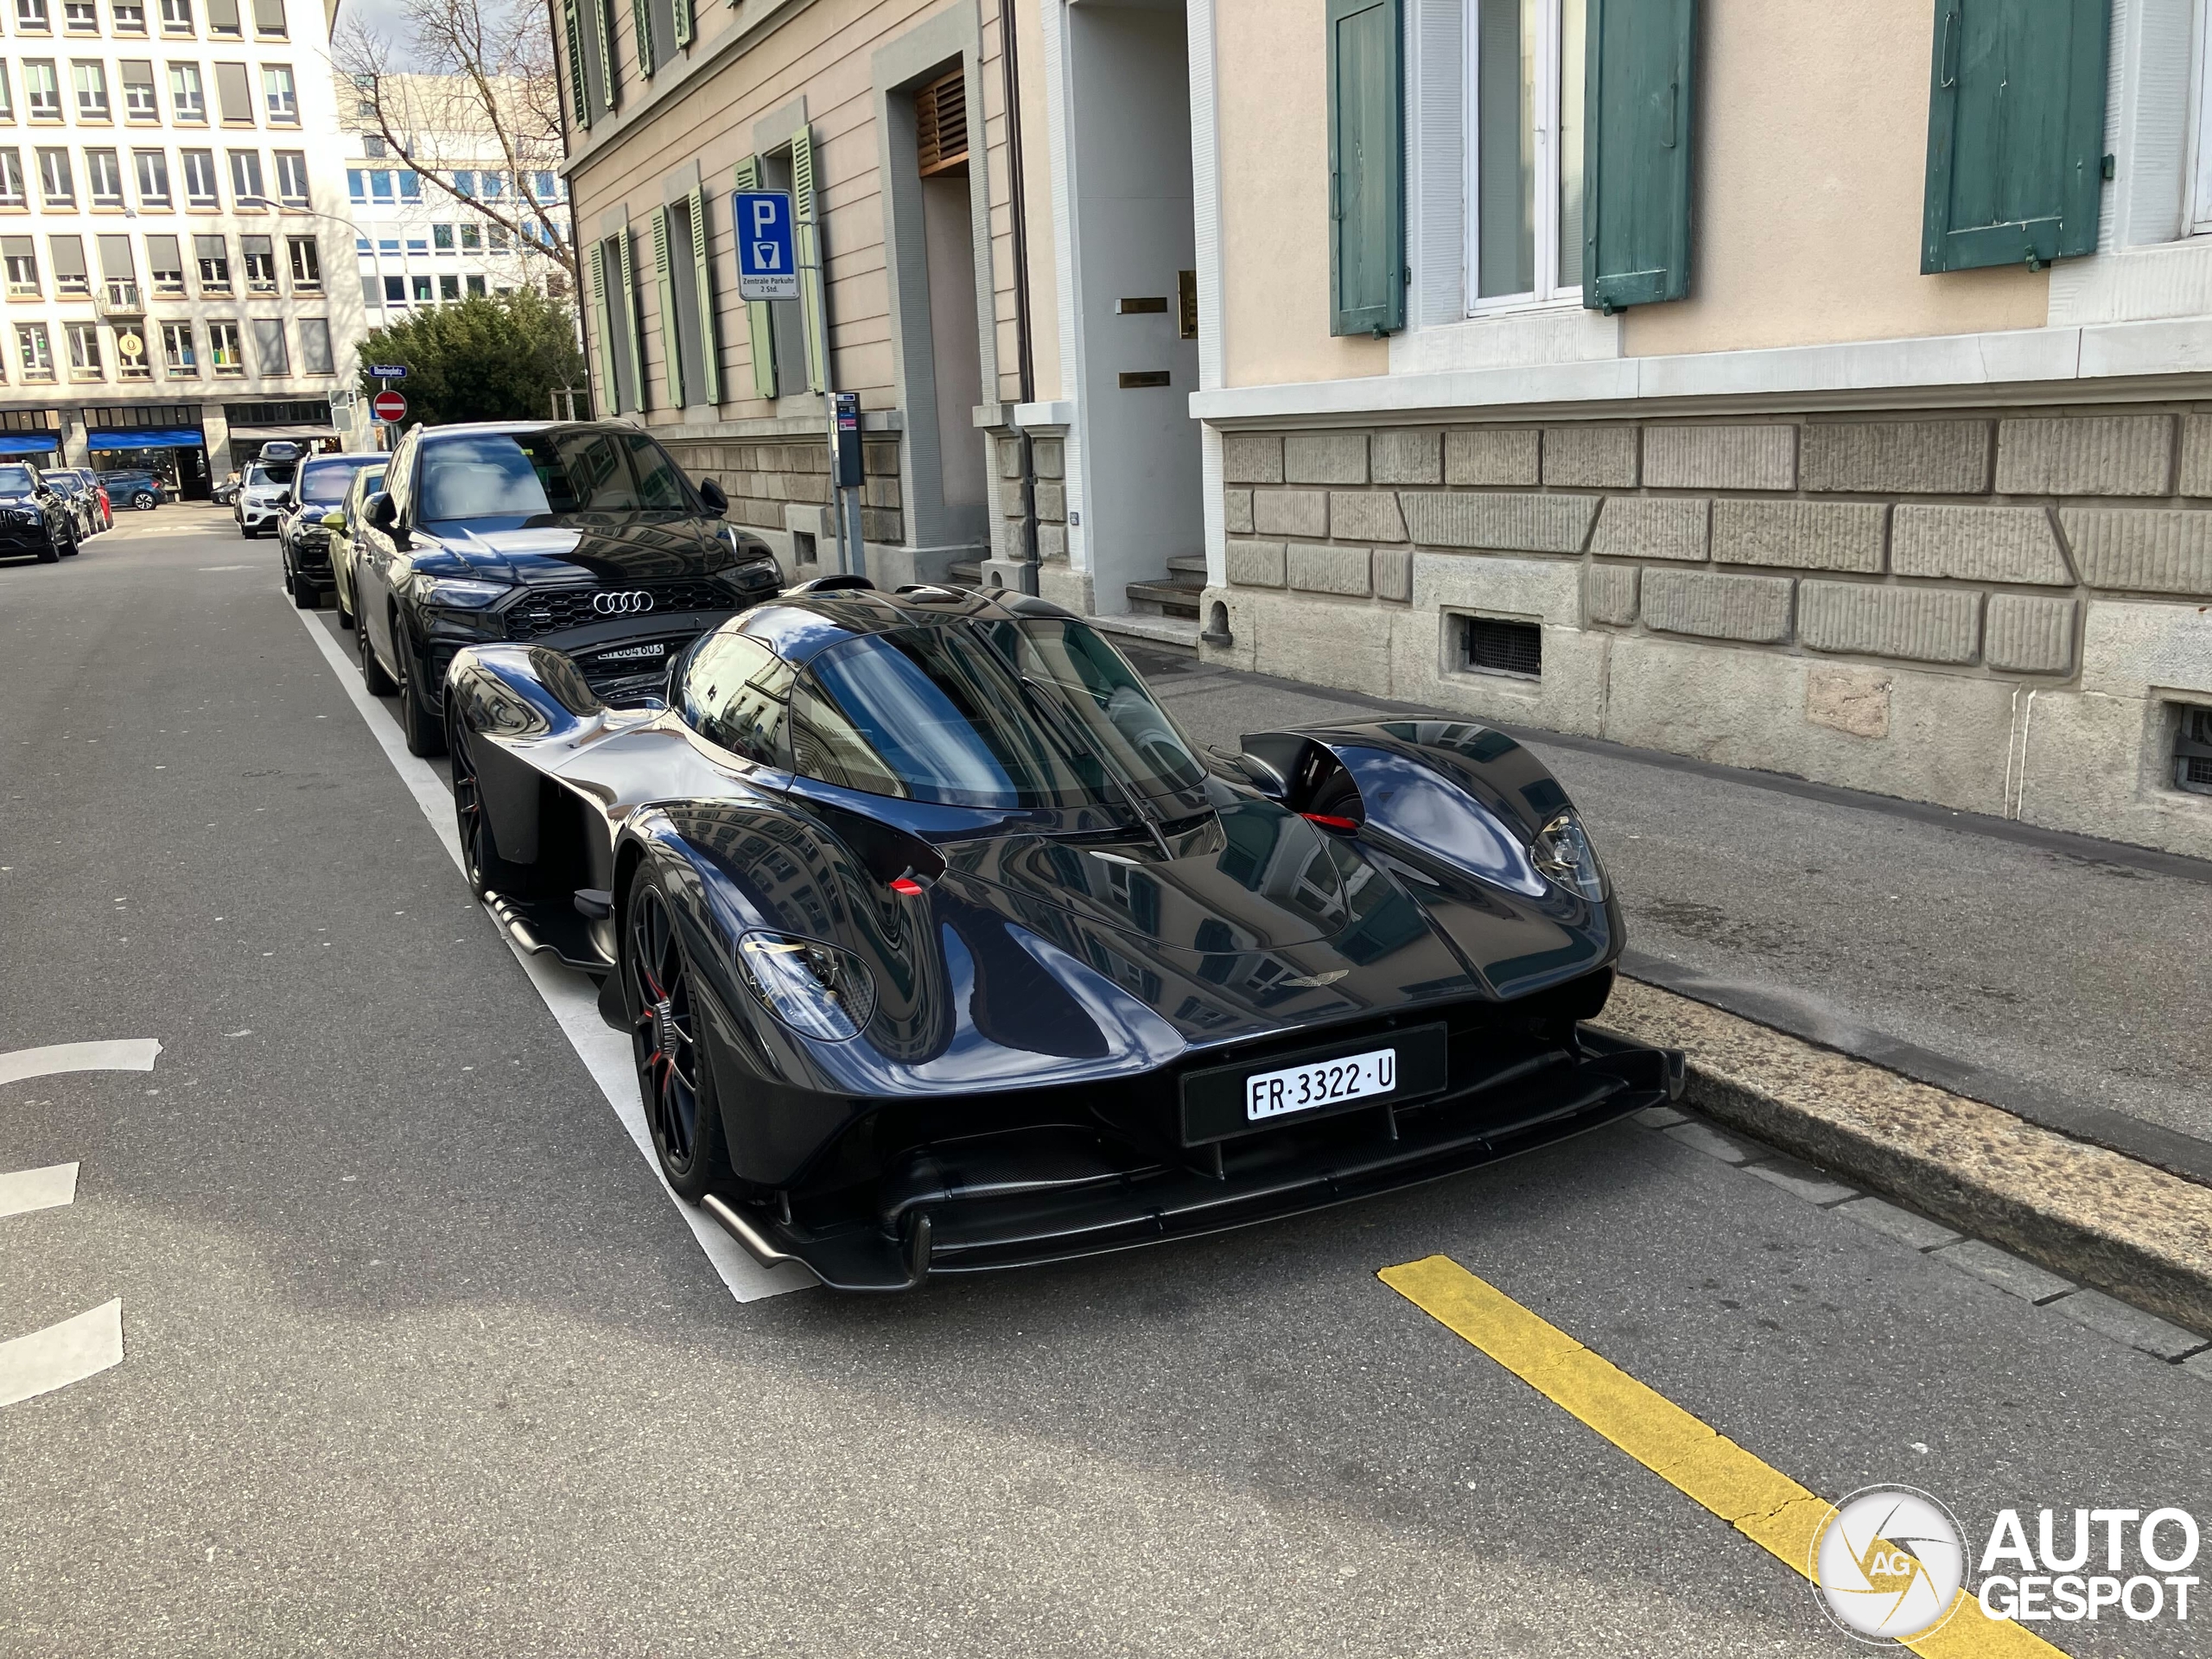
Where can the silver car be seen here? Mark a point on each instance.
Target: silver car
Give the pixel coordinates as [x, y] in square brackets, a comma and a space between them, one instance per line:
[262, 497]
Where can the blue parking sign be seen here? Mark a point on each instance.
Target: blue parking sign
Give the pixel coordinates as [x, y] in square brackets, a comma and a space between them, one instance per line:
[767, 266]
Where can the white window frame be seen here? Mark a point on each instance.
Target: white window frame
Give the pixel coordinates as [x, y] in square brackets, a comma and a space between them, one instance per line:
[1548, 292]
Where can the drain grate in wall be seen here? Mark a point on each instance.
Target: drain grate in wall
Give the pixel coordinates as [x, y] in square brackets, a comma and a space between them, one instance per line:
[1490, 646]
[2193, 751]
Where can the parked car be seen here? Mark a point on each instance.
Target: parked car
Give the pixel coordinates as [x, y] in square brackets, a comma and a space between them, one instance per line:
[107, 506]
[319, 484]
[943, 949]
[226, 491]
[34, 517]
[261, 495]
[73, 485]
[584, 536]
[133, 488]
[344, 522]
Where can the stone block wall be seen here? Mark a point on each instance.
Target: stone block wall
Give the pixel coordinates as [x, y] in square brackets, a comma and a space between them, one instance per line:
[763, 476]
[1889, 601]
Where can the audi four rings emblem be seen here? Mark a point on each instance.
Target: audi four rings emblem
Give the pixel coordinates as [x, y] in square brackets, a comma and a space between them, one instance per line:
[636, 602]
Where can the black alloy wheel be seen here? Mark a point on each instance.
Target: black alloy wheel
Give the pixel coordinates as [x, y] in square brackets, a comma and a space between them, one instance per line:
[674, 1080]
[418, 722]
[374, 680]
[337, 596]
[51, 553]
[488, 871]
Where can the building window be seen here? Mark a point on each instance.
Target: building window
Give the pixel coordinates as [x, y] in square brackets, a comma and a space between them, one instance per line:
[66, 254]
[139, 102]
[200, 189]
[41, 89]
[55, 181]
[476, 286]
[379, 186]
[6, 95]
[472, 239]
[374, 148]
[233, 96]
[259, 255]
[442, 238]
[103, 172]
[410, 187]
[223, 348]
[494, 184]
[269, 19]
[417, 244]
[1526, 156]
[465, 183]
[448, 287]
[21, 255]
[356, 185]
[315, 346]
[92, 90]
[395, 290]
[421, 289]
[246, 178]
[32, 18]
[292, 177]
[178, 357]
[365, 98]
[165, 266]
[11, 179]
[269, 345]
[176, 16]
[223, 19]
[153, 166]
[371, 299]
[213, 255]
[84, 350]
[547, 187]
[35, 349]
[279, 96]
[130, 15]
[307, 264]
[388, 244]
[186, 96]
[81, 16]
[500, 241]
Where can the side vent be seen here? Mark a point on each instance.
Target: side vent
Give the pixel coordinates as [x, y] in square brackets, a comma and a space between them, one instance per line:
[1488, 646]
[2193, 751]
[941, 127]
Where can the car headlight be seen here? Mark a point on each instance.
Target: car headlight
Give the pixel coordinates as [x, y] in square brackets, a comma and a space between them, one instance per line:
[816, 989]
[1563, 853]
[459, 593]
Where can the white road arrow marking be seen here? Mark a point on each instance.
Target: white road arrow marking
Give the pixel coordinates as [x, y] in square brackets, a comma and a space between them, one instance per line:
[38, 1189]
[130, 1054]
[61, 1354]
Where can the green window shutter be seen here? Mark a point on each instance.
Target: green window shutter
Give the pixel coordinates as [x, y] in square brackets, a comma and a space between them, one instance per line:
[2016, 132]
[757, 320]
[710, 345]
[606, 11]
[1638, 100]
[671, 342]
[1366, 164]
[610, 397]
[811, 292]
[632, 318]
[579, 87]
[684, 28]
[641, 20]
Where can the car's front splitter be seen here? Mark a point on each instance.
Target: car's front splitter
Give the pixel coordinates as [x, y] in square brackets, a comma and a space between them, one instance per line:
[1052, 1193]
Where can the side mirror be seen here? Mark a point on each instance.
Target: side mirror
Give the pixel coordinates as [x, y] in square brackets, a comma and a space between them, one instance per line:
[711, 493]
[334, 521]
[380, 511]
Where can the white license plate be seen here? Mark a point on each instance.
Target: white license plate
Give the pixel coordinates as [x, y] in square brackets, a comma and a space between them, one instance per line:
[1322, 1083]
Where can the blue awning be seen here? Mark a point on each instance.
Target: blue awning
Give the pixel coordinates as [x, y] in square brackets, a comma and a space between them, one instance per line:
[149, 437]
[33, 443]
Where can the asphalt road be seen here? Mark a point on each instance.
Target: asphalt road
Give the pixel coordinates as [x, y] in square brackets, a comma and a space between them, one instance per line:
[419, 1358]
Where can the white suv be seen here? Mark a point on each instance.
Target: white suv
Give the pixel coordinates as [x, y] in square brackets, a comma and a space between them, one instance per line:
[263, 496]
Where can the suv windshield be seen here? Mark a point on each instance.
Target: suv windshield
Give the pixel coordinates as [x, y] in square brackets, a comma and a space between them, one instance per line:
[562, 470]
[15, 480]
[327, 481]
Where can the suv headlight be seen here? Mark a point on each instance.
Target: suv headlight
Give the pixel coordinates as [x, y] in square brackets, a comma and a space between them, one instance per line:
[459, 593]
[816, 989]
[1563, 853]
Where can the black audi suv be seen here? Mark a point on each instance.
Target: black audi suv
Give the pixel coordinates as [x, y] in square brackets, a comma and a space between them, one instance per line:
[586, 538]
[318, 484]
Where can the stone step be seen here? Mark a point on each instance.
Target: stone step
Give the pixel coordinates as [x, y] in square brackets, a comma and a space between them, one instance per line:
[1157, 630]
[1191, 564]
[1174, 599]
[965, 572]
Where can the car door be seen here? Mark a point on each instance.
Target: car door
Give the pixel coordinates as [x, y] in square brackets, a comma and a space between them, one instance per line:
[376, 551]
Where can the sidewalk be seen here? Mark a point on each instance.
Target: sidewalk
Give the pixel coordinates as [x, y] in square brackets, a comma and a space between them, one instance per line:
[2068, 980]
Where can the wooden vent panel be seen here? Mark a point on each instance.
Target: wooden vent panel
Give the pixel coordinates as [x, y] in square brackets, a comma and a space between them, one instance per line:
[941, 126]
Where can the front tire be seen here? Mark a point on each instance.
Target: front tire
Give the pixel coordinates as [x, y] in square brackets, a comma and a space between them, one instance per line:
[487, 872]
[674, 1079]
[374, 680]
[305, 594]
[418, 722]
[51, 553]
[338, 595]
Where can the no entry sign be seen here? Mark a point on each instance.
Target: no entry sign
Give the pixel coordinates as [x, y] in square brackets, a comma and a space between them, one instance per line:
[389, 406]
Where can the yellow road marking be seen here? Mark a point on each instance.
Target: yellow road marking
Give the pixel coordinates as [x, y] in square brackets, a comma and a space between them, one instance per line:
[1760, 1502]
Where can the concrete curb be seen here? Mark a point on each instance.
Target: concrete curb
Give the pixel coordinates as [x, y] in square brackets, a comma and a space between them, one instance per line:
[2135, 1231]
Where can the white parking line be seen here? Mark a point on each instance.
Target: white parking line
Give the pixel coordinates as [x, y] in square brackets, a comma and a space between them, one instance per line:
[570, 997]
[61, 1354]
[130, 1054]
[27, 1190]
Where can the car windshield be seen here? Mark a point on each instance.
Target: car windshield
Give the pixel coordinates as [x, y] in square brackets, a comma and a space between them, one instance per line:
[560, 470]
[15, 480]
[328, 482]
[930, 714]
[1073, 663]
[68, 483]
[256, 476]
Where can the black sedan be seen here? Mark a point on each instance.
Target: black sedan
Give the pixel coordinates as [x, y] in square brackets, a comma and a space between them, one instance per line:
[941, 949]
[319, 486]
[36, 518]
[587, 538]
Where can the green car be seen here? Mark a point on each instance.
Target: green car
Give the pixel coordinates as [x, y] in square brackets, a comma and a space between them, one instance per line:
[340, 521]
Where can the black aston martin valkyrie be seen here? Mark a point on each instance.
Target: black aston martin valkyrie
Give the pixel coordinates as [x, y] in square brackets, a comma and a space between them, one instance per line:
[942, 949]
